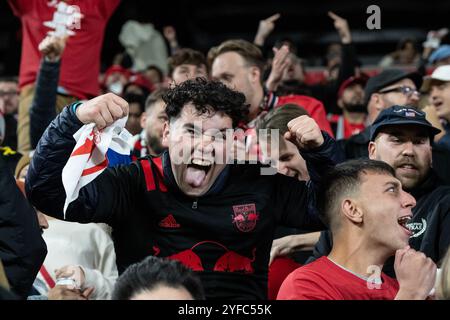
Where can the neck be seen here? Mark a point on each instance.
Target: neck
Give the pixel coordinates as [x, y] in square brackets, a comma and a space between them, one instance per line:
[151, 152]
[355, 254]
[355, 117]
[255, 102]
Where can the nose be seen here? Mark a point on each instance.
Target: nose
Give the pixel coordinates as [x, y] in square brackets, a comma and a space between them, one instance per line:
[205, 144]
[408, 201]
[413, 99]
[408, 149]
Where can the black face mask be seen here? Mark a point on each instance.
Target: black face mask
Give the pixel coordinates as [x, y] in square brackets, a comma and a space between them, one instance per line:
[360, 108]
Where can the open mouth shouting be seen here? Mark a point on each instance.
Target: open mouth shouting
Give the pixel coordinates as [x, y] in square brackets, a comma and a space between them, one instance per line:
[403, 222]
[197, 172]
[408, 167]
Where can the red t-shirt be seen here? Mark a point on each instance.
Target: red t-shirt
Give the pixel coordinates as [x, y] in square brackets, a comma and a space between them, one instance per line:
[345, 129]
[314, 107]
[81, 58]
[350, 129]
[324, 280]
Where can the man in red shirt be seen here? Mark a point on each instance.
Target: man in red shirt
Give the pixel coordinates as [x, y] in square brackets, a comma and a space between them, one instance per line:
[239, 64]
[367, 210]
[84, 22]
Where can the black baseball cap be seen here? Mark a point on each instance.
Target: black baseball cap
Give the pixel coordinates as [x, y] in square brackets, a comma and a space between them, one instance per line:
[388, 77]
[401, 115]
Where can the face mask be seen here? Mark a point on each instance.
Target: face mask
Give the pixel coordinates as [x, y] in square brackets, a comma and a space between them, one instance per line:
[361, 108]
[116, 88]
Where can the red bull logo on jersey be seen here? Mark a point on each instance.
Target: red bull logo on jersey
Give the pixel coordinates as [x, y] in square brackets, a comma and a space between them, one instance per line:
[245, 217]
[230, 261]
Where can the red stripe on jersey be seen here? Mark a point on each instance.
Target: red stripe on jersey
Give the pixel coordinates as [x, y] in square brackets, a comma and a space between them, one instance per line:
[158, 163]
[149, 180]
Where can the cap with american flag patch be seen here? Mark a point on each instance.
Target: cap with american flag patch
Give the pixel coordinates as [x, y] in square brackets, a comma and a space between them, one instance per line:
[401, 115]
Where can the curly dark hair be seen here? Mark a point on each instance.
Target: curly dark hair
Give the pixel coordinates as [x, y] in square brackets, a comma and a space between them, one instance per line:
[208, 97]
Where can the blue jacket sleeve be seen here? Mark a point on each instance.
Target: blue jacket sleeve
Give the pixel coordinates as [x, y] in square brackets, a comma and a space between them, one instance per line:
[43, 106]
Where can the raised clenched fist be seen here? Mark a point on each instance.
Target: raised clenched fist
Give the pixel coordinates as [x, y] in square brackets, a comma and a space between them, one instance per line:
[305, 133]
[415, 274]
[103, 110]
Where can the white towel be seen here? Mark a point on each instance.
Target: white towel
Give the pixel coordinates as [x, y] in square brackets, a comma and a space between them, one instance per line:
[89, 159]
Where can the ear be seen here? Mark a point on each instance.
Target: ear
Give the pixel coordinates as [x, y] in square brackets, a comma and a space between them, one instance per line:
[352, 211]
[372, 150]
[170, 81]
[166, 134]
[143, 120]
[377, 102]
[255, 74]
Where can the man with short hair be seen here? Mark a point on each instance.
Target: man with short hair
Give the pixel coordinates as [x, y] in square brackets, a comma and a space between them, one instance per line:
[390, 87]
[187, 64]
[285, 156]
[149, 140]
[239, 64]
[190, 204]
[365, 234]
[402, 137]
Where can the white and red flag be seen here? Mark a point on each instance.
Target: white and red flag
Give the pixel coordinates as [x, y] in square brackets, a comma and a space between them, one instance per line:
[89, 157]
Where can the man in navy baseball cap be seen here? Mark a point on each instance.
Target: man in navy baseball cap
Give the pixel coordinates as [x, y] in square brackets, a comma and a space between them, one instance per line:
[400, 116]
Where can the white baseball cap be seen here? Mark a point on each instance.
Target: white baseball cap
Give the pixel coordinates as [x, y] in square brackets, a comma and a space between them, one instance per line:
[441, 73]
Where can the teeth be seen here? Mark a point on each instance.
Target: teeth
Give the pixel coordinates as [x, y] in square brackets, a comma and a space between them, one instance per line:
[199, 162]
[403, 221]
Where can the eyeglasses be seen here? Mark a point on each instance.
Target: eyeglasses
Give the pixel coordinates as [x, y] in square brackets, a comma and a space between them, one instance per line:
[407, 91]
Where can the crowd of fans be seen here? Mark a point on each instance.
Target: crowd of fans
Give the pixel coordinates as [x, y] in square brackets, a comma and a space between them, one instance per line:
[357, 205]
